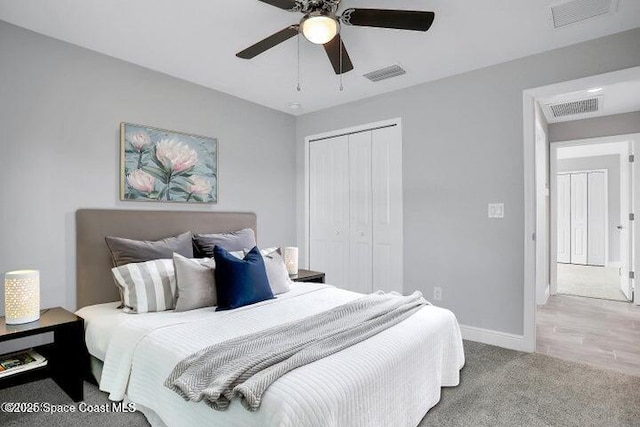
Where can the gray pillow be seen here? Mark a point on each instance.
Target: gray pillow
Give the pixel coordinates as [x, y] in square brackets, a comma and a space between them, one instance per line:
[196, 283]
[234, 241]
[127, 251]
[277, 274]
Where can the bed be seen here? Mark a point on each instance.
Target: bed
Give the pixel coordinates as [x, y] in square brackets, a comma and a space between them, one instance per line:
[390, 379]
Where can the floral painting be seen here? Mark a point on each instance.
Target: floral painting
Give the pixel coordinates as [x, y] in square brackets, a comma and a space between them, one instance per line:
[162, 165]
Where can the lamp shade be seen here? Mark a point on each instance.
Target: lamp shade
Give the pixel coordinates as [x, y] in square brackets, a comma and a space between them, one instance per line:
[291, 260]
[21, 296]
[319, 28]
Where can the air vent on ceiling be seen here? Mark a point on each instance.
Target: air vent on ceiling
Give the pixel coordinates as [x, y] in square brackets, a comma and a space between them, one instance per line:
[385, 73]
[571, 108]
[574, 11]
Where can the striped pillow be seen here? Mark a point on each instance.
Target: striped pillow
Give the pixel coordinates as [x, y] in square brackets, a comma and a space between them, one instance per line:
[147, 286]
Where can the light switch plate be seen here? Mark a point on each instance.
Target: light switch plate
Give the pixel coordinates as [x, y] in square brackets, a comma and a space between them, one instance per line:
[496, 210]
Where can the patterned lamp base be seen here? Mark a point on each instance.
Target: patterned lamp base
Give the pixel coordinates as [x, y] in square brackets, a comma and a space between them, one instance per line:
[22, 296]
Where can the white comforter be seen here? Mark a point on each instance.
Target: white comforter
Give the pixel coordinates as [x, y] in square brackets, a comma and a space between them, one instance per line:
[391, 379]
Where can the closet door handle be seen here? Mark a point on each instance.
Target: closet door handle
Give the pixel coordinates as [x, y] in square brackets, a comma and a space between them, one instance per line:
[619, 227]
[362, 234]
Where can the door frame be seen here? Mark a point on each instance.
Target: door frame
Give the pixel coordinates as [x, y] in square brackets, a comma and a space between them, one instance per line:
[307, 182]
[619, 145]
[529, 102]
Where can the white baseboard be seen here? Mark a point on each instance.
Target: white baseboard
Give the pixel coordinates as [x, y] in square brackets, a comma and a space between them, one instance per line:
[497, 338]
[543, 299]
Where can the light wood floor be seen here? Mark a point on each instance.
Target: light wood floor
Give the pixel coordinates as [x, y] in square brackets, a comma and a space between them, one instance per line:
[590, 281]
[601, 333]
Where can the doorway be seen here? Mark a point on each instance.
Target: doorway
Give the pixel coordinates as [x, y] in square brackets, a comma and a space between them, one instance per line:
[588, 316]
[591, 189]
[537, 289]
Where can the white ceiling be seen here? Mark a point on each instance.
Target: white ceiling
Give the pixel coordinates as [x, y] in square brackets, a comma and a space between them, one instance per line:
[617, 98]
[196, 40]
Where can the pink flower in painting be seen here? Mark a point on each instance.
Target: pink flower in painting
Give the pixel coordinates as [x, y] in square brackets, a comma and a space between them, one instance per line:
[141, 181]
[200, 185]
[139, 139]
[175, 155]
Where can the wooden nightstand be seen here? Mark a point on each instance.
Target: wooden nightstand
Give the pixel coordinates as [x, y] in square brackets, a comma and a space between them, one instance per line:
[66, 356]
[308, 276]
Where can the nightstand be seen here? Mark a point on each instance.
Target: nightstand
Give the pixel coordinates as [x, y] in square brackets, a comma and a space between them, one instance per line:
[66, 356]
[308, 276]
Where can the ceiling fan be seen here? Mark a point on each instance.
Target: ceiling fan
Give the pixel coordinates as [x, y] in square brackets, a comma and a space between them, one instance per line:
[321, 25]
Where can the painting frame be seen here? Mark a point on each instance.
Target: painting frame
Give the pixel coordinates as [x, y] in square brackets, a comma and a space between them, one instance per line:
[161, 165]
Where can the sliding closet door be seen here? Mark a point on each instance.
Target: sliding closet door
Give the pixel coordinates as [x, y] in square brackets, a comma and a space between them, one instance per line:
[597, 218]
[355, 202]
[386, 160]
[361, 274]
[579, 211]
[329, 209]
[564, 218]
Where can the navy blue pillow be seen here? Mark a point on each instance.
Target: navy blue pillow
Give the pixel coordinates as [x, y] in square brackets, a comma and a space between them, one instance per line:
[240, 282]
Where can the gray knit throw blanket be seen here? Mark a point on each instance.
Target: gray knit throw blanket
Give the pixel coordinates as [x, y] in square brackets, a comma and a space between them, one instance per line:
[246, 366]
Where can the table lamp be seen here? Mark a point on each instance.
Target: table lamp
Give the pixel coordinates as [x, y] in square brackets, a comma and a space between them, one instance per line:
[21, 296]
[291, 260]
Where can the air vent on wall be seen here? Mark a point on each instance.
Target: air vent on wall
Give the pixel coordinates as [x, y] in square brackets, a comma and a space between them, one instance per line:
[579, 10]
[385, 73]
[571, 108]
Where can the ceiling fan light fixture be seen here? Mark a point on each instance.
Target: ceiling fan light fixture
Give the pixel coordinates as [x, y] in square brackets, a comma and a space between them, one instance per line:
[319, 27]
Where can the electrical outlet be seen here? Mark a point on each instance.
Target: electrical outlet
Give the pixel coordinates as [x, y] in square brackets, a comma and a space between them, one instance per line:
[437, 293]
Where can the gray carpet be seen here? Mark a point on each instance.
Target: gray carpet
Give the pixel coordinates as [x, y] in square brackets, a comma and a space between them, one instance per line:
[502, 387]
[499, 388]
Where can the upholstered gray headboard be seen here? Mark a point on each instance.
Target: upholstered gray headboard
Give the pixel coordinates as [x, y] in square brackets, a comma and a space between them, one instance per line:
[94, 283]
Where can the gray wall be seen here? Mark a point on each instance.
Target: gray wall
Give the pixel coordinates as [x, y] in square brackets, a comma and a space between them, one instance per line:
[60, 110]
[617, 124]
[612, 164]
[463, 148]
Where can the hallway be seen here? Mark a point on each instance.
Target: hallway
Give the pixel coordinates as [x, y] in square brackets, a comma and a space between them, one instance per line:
[601, 333]
[590, 281]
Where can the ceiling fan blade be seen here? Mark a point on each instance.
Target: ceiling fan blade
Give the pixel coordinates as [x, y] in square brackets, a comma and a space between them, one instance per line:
[385, 18]
[268, 43]
[333, 52]
[289, 5]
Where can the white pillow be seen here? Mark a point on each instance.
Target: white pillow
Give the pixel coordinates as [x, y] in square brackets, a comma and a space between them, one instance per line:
[277, 274]
[147, 286]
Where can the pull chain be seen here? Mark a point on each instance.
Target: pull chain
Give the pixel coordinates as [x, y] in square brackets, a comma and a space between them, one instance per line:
[341, 86]
[298, 86]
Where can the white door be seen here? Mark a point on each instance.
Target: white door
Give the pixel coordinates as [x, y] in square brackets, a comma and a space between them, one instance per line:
[625, 227]
[564, 218]
[386, 161]
[329, 208]
[542, 214]
[579, 211]
[360, 203]
[597, 218]
[355, 209]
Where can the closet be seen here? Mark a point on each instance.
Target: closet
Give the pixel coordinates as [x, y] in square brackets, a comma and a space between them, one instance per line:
[582, 218]
[355, 209]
